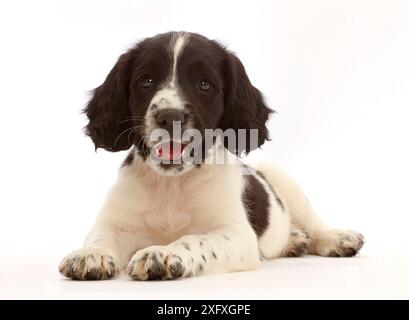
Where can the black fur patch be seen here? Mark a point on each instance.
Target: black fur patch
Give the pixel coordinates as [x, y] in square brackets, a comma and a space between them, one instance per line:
[257, 204]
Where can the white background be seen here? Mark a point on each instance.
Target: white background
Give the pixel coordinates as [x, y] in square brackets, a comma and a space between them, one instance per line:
[337, 72]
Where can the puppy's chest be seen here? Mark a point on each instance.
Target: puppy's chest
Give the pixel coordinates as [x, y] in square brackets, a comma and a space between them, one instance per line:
[169, 209]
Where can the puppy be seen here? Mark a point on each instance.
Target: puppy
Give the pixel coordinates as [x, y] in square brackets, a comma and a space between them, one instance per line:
[179, 208]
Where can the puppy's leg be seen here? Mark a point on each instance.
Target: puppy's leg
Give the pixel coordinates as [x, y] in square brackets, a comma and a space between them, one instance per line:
[96, 260]
[322, 240]
[225, 250]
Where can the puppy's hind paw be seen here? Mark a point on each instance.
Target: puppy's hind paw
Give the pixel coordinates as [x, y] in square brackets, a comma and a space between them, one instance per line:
[298, 243]
[339, 243]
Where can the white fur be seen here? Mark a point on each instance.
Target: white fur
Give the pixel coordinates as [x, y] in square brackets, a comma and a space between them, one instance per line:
[178, 43]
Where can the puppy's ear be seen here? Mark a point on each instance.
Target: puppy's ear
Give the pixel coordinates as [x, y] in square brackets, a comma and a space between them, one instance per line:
[244, 105]
[108, 110]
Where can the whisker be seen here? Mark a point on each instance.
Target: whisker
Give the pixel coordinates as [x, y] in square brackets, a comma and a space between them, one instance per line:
[130, 132]
[139, 129]
[132, 119]
[116, 140]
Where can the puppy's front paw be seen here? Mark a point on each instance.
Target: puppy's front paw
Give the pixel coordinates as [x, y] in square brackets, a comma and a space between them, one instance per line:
[340, 243]
[156, 263]
[89, 264]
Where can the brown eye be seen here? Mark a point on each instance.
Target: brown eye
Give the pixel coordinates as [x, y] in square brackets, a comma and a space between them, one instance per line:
[204, 85]
[146, 82]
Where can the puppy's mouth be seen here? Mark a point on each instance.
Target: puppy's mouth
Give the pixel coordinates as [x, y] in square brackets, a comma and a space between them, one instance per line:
[170, 151]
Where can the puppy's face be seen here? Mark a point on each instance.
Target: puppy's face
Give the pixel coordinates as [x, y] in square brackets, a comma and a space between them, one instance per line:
[165, 92]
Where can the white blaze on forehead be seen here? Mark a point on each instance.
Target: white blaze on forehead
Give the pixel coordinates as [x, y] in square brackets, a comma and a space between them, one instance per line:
[169, 96]
[177, 44]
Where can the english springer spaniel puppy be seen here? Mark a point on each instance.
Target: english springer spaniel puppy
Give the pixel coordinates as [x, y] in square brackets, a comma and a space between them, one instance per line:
[179, 209]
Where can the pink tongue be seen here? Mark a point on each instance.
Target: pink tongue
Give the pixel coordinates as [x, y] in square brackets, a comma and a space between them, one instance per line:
[171, 151]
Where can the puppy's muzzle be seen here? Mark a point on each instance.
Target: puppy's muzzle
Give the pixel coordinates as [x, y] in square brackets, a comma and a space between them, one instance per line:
[168, 119]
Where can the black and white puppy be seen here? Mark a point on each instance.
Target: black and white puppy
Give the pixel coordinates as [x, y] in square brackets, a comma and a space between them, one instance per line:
[175, 218]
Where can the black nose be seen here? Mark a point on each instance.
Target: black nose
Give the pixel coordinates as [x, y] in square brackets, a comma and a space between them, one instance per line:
[166, 117]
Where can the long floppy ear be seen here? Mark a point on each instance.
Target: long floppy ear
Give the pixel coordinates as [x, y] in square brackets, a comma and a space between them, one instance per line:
[108, 108]
[244, 105]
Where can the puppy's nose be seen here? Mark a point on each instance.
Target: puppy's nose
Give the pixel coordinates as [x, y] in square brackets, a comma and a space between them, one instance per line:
[166, 117]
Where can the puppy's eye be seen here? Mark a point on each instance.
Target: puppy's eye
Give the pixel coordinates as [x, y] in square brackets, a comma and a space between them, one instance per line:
[204, 85]
[146, 82]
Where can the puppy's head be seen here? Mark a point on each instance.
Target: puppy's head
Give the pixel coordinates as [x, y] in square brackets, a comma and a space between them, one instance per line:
[166, 92]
